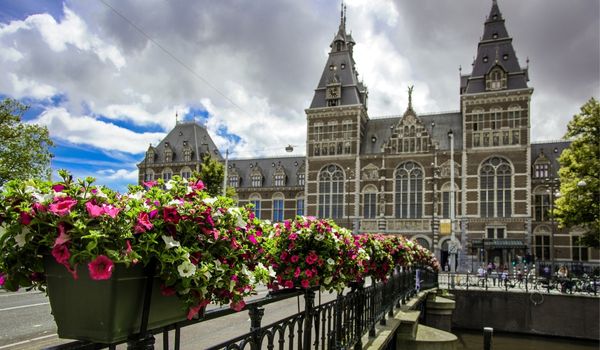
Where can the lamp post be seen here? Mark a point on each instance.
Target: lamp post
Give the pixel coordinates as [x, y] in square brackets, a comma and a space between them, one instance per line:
[553, 184]
[435, 175]
[452, 246]
[348, 180]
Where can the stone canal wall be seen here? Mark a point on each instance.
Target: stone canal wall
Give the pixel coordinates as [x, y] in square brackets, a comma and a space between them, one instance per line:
[531, 313]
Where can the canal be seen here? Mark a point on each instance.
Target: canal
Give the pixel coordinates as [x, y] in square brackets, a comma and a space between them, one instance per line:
[472, 340]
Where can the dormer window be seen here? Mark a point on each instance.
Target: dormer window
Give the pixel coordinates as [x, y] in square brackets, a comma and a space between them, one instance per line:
[495, 35]
[256, 180]
[496, 79]
[187, 152]
[279, 180]
[150, 155]
[234, 181]
[168, 153]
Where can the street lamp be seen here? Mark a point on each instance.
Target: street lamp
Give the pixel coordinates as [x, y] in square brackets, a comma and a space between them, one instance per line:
[348, 179]
[553, 185]
[452, 246]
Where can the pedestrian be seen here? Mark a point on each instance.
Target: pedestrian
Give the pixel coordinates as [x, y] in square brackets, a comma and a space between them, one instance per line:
[504, 277]
[494, 275]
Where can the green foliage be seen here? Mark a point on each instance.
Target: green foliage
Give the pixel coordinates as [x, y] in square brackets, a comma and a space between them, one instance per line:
[212, 173]
[580, 205]
[24, 147]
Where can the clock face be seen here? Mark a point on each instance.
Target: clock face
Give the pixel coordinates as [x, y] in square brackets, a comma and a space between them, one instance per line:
[332, 92]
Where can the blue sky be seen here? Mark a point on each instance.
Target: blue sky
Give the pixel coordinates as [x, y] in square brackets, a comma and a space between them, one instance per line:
[107, 84]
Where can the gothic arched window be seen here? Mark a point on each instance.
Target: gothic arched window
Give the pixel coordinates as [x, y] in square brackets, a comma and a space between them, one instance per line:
[409, 191]
[495, 177]
[331, 192]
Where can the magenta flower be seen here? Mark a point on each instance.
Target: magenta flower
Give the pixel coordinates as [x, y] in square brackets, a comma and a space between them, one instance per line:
[288, 284]
[39, 207]
[239, 306]
[167, 291]
[61, 254]
[58, 188]
[293, 236]
[305, 284]
[25, 218]
[93, 210]
[101, 268]
[295, 258]
[149, 184]
[143, 223]
[111, 210]
[194, 310]
[62, 206]
[297, 272]
[171, 215]
[311, 258]
[198, 186]
[63, 237]
[252, 239]
[2, 279]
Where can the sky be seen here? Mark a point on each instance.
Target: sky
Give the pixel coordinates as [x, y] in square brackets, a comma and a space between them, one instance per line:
[108, 77]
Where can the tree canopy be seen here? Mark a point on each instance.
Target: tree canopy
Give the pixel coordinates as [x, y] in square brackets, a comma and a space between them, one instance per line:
[24, 147]
[212, 173]
[579, 201]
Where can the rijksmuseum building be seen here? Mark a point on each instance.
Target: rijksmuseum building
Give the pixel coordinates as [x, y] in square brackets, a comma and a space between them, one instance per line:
[393, 175]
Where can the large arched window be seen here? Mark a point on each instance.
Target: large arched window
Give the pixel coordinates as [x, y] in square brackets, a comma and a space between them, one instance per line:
[331, 192]
[495, 188]
[278, 207]
[409, 191]
[255, 199]
[370, 202]
[422, 242]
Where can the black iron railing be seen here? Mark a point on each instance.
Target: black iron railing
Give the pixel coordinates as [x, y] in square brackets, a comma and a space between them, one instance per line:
[586, 285]
[338, 324]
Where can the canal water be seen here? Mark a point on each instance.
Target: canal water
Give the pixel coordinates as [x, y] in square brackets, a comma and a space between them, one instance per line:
[472, 340]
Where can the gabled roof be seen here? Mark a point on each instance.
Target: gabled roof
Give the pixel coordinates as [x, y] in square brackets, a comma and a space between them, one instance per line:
[381, 129]
[495, 49]
[551, 150]
[196, 137]
[268, 166]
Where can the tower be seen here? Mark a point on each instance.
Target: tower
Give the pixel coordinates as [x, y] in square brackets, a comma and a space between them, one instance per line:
[335, 121]
[495, 107]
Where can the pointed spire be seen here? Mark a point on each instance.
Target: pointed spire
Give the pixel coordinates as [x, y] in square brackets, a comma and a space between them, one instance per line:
[176, 118]
[410, 91]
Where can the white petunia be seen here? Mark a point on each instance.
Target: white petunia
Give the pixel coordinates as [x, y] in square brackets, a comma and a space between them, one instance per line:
[43, 198]
[240, 222]
[169, 185]
[272, 272]
[210, 200]
[186, 269]
[30, 189]
[137, 196]
[170, 242]
[99, 193]
[330, 261]
[175, 202]
[20, 238]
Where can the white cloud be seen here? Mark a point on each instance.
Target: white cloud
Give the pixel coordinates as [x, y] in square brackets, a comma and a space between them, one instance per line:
[86, 130]
[119, 174]
[72, 30]
[30, 88]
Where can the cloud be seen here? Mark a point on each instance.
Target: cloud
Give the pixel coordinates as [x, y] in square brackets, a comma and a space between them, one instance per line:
[86, 130]
[119, 174]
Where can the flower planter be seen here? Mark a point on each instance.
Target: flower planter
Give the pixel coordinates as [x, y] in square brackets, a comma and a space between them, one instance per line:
[106, 311]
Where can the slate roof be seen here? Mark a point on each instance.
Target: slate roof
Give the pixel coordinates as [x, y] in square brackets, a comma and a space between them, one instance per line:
[268, 166]
[353, 90]
[197, 138]
[381, 128]
[552, 150]
[495, 48]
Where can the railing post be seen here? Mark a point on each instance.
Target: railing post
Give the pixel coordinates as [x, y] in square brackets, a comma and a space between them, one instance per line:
[144, 340]
[309, 301]
[359, 296]
[256, 314]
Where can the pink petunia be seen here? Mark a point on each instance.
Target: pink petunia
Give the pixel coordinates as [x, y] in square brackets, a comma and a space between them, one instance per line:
[58, 188]
[288, 284]
[110, 210]
[293, 236]
[143, 223]
[239, 306]
[62, 206]
[61, 254]
[297, 272]
[2, 279]
[252, 239]
[167, 291]
[198, 186]
[149, 184]
[93, 210]
[63, 237]
[128, 249]
[194, 310]
[311, 258]
[101, 268]
[295, 258]
[305, 284]
[39, 208]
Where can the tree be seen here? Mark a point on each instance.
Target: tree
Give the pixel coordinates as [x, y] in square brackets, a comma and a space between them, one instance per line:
[579, 201]
[212, 173]
[24, 148]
